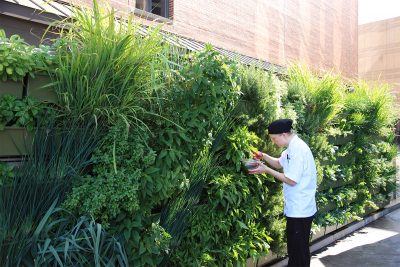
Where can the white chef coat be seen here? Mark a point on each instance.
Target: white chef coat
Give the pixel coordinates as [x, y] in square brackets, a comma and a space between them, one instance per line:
[299, 165]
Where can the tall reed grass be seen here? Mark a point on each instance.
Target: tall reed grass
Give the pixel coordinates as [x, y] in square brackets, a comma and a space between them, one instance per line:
[108, 66]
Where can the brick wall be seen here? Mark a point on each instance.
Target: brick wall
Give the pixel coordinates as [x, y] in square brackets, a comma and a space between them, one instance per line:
[171, 9]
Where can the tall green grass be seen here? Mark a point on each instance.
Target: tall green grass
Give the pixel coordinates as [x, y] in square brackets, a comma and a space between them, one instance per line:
[108, 66]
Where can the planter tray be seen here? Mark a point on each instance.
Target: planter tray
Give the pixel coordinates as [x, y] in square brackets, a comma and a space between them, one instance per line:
[15, 141]
[11, 88]
[40, 88]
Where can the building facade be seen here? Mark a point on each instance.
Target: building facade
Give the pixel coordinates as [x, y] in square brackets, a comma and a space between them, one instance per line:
[321, 34]
[379, 52]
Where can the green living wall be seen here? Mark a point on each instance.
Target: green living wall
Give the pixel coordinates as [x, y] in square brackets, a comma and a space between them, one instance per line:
[149, 140]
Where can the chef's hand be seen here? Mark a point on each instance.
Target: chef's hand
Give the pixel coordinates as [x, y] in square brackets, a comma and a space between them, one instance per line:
[258, 155]
[260, 169]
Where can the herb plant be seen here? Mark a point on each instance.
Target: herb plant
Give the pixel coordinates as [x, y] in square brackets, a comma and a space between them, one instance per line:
[15, 57]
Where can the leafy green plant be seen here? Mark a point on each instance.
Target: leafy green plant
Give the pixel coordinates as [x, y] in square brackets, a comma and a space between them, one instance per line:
[227, 228]
[201, 96]
[43, 58]
[241, 145]
[15, 57]
[369, 110]
[146, 241]
[6, 174]
[175, 216]
[205, 93]
[18, 58]
[121, 192]
[118, 182]
[316, 99]
[21, 112]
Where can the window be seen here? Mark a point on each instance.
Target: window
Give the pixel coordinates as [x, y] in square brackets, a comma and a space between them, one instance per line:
[157, 7]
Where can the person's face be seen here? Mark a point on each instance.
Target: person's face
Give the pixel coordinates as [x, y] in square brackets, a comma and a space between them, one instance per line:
[278, 139]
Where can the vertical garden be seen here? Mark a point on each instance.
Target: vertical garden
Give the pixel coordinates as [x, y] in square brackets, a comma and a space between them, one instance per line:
[137, 158]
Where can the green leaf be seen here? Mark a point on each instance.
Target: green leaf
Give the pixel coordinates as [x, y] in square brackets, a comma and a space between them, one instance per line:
[151, 170]
[19, 71]
[142, 249]
[9, 70]
[127, 234]
[163, 153]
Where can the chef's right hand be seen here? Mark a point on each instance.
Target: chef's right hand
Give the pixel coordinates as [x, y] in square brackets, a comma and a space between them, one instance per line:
[258, 155]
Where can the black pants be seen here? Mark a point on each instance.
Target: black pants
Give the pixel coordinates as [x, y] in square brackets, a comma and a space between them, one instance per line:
[298, 236]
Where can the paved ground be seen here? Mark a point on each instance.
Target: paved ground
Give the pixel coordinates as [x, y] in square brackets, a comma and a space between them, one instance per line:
[377, 244]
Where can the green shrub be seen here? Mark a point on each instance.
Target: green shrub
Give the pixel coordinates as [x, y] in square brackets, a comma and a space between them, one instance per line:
[260, 101]
[117, 183]
[227, 229]
[121, 193]
[197, 104]
[147, 243]
[316, 100]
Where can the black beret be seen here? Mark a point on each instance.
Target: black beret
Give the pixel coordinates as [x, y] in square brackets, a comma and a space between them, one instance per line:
[280, 126]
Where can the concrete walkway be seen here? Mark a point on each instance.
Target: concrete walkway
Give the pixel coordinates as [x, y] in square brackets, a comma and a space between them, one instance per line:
[377, 244]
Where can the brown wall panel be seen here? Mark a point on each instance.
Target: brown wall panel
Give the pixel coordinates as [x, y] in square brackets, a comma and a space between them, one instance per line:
[30, 31]
[322, 34]
[379, 52]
